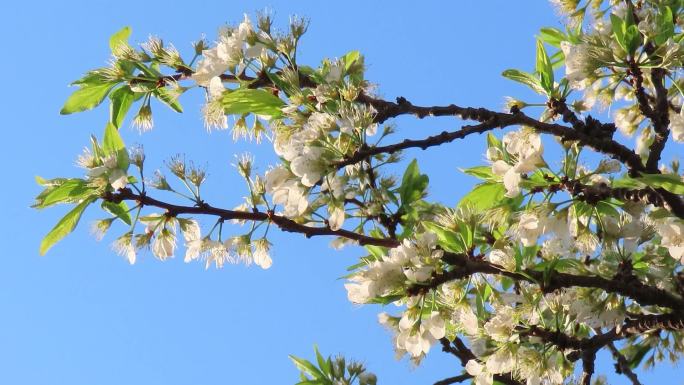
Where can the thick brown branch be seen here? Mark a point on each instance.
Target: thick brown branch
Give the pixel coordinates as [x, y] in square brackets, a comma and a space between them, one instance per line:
[595, 193]
[643, 323]
[622, 366]
[490, 120]
[284, 223]
[660, 119]
[465, 266]
[588, 364]
[458, 349]
[461, 351]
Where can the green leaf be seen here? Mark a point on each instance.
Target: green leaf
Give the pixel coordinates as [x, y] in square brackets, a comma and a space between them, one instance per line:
[307, 367]
[552, 36]
[619, 29]
[484, 196]
[65, 226]
[536, 179]
[627, 182]
[544, 68]
[525, 78]
[322, 363]
[481, 172]
[671, 183]
[86, 98]
[49, 182]
[632, 39]
[119, 210]
[118, 38]
[665, 23]
[447, 239]
[69, 191]
[493, 141]
[413, 184]
[121, 100]
[639, 355]
[249, 101]
[386, 300]
[113, 144]
[376, 251]
[350, 58]
[164, 96]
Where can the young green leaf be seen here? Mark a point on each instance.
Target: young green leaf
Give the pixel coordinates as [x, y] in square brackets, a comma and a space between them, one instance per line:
[113, 144]
[632, 39]
[86, 98]
[544, 68]
[665, 25]
[69, 191]
[350, 58]
[447, 239]
[619, 29]
[484, 196]
[480, 172]
[493, 141]
[164, 96]
[413, 184]
[307, 367]
[65, 226]
[246, 101]
[119, 210]
[552, 36]
[322, 362]
[121, 100]
[671, 183]
[118, 38]
[525, 78]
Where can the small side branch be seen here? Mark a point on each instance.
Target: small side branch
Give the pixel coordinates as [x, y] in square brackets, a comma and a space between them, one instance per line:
[622, 366]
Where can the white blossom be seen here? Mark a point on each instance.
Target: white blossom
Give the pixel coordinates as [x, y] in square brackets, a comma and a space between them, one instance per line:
[576, 63]
[261, 253]
[116, 177]
[500, 327]
[164, 244]
[479, 373]
[502, 258]
[125, 248]
[677, 127]
[529, 229]
[309, 166]
[336, 217]
[227, 53]
[671, 231]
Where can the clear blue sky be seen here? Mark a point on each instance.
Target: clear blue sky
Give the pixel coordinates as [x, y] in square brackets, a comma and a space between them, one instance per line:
[81, 315]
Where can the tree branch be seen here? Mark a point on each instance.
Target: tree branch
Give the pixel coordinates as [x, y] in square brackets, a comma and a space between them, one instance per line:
[284, 223]
[595, 193]
[454, 380]
[461, 351]
[660, 119]
[622, 366]
[489, 120]
[465, 266]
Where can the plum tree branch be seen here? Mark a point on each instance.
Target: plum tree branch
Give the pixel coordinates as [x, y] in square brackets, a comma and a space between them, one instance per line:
[284, 223]
[464, 266]
[622, 366]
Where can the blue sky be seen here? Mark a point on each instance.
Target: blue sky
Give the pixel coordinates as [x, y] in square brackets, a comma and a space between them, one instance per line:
[82, 315]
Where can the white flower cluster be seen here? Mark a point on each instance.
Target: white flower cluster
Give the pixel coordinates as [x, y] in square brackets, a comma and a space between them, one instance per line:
[411, 261]
[672, 232]
[233, 46]
[524, 152]
[160, 235]
[106, 170]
